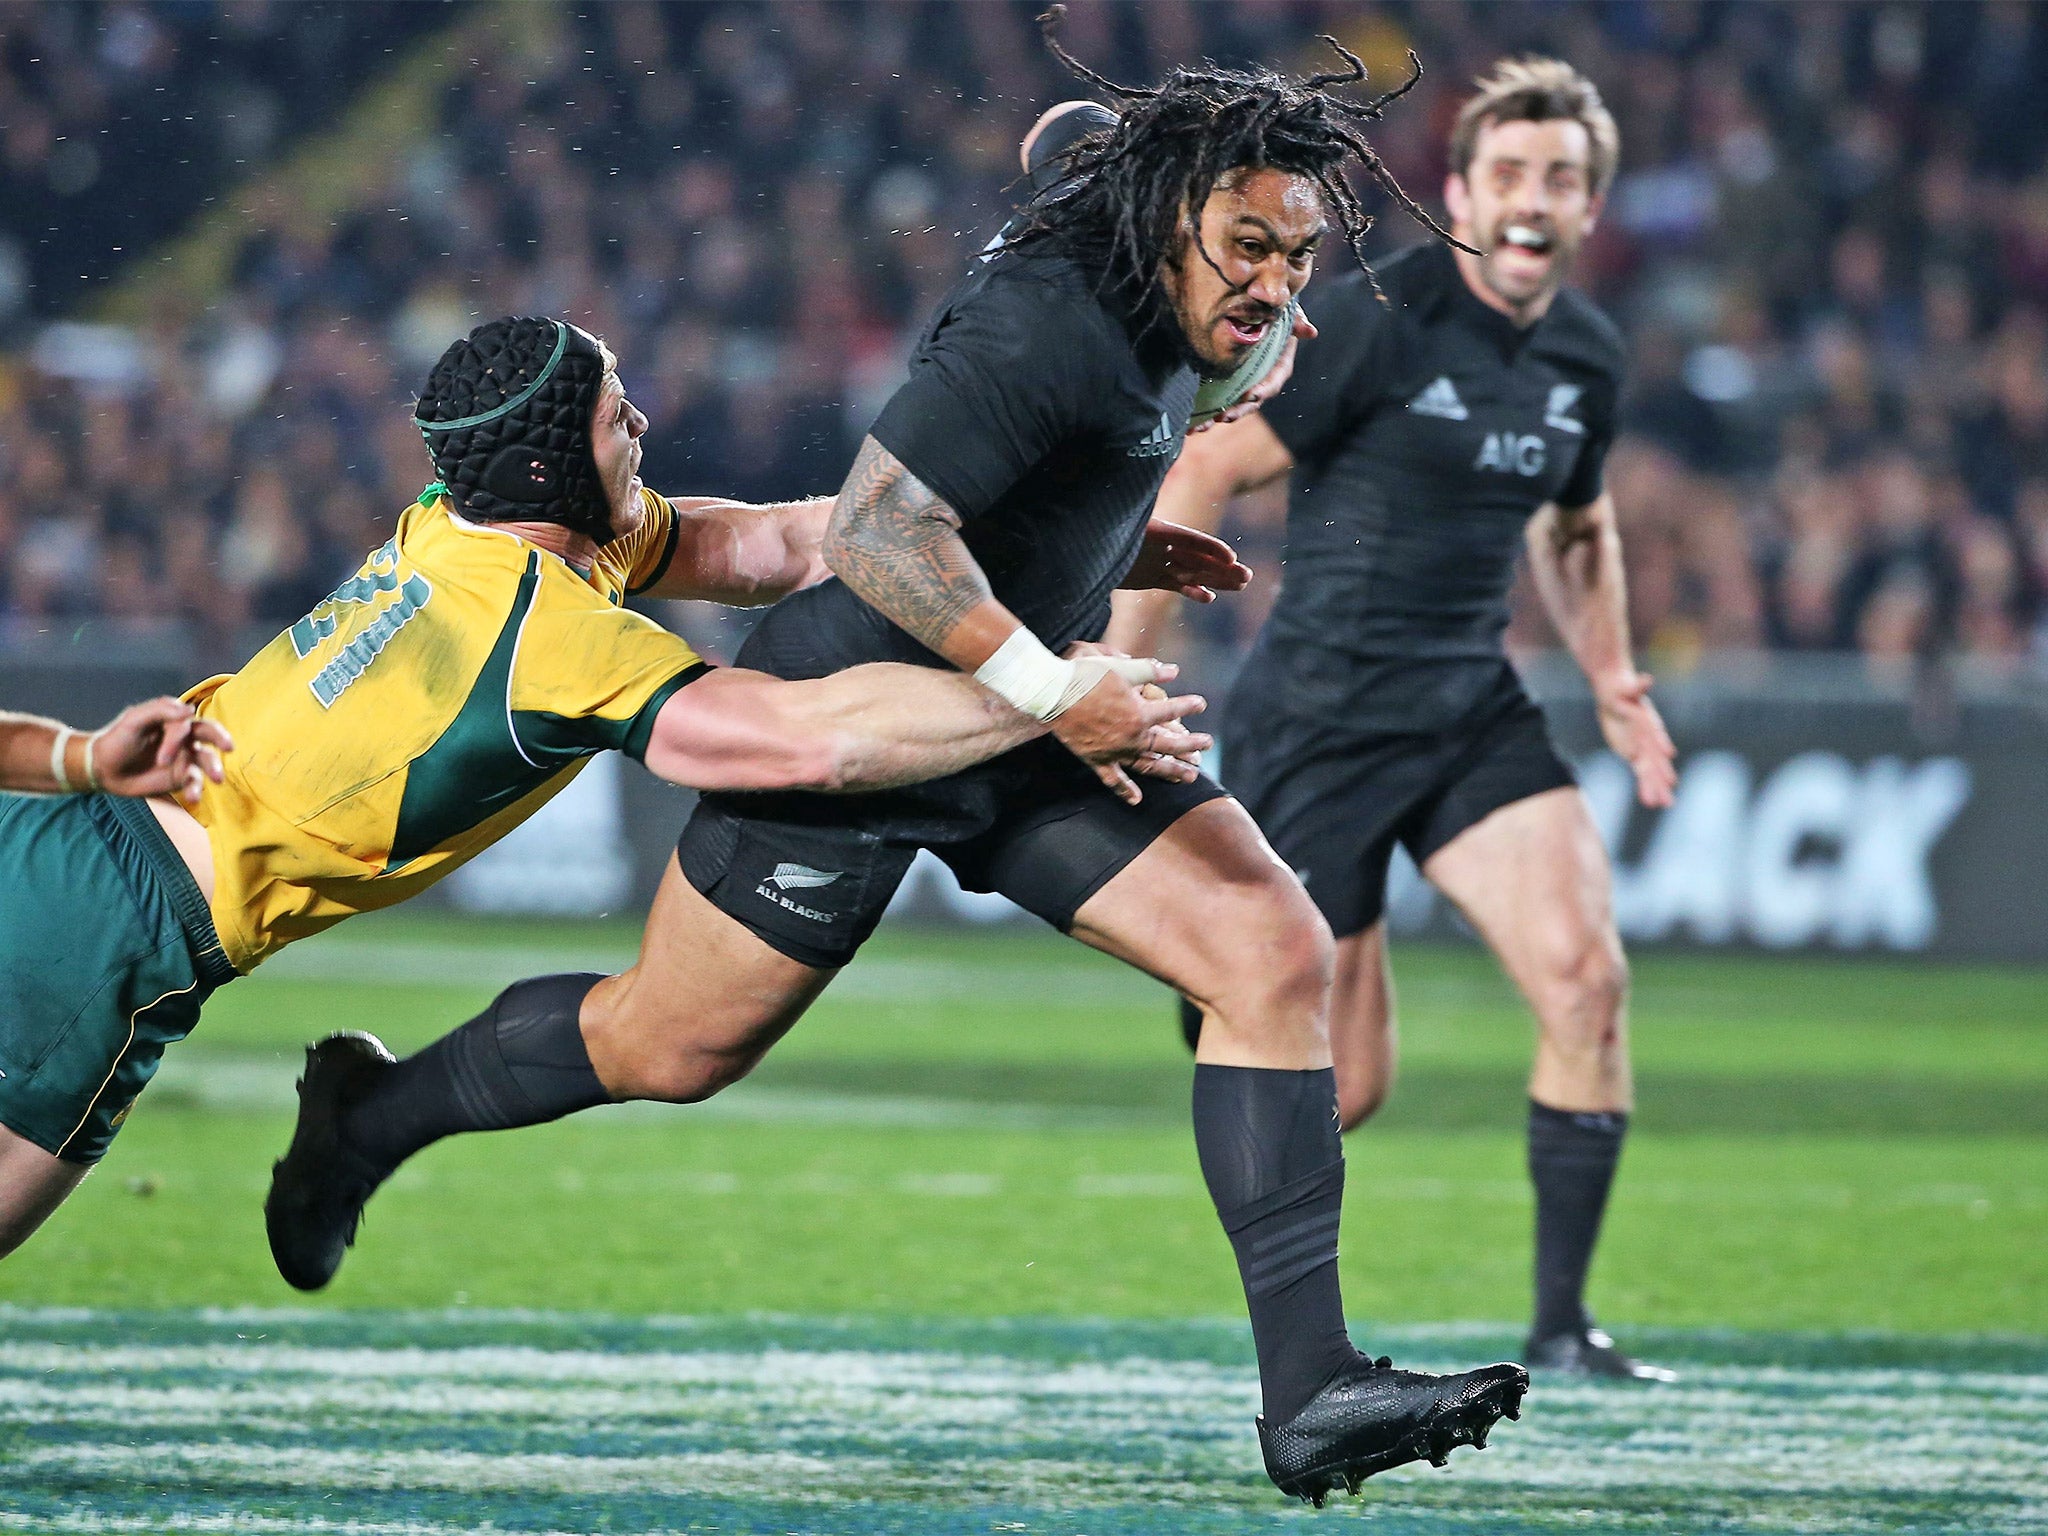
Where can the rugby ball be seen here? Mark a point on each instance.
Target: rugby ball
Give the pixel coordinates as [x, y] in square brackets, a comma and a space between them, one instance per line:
[1215, 396]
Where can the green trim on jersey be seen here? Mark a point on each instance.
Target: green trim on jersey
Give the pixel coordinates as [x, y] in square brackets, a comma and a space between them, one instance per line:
[642, 724]
[492, 755]
[477, 767]
[668, 555]
[561, 739]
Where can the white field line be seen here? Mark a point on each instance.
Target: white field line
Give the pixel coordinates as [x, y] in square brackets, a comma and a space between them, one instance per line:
[882, 1372]
[790, 1477]
[81, 1523]
[1724, 1428]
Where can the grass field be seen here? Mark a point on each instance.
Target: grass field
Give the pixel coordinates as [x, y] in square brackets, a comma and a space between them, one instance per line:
[945, 1265]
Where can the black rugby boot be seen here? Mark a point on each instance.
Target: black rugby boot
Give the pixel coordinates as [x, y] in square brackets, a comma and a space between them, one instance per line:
[1371, 1417]
[318, 1188]
[1590, 1352]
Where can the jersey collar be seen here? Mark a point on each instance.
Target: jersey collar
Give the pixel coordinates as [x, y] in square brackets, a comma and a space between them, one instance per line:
[586, 574]
[1454, 296]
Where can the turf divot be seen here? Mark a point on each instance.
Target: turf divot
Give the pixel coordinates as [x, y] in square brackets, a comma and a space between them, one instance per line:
[425, 1423]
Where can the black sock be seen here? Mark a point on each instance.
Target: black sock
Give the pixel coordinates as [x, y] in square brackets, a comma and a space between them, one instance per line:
[1571, 1163]
[1275, 1168]
[519, 1062]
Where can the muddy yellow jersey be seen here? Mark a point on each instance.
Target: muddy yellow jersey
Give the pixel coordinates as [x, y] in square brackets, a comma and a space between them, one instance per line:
[438, 698]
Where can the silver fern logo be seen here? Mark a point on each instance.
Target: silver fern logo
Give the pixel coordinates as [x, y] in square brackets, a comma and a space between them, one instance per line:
[802, 876]
[1563, 399]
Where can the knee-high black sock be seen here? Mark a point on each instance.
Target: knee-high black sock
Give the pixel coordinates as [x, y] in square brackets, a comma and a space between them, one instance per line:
[1275, 1168]
[519, 1062]
[1571, 1163]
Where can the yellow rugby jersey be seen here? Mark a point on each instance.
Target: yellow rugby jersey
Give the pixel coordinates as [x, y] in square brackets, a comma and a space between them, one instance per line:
[431, 703]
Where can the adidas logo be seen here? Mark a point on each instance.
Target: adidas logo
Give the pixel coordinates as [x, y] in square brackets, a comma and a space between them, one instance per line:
[1163, 438]
[1440, 399]
[802, 876]
[1562, 398]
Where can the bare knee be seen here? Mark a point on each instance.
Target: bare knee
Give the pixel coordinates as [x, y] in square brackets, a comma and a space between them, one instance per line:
[1274, 963]
[1583, 995]
[682, 1077]
[1301, 959]
[641, 1049]
[643, 1065]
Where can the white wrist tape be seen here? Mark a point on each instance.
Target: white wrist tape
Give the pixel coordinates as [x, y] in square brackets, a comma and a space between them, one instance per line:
[57, 746]
[1028, 677]
[92, 773]
[1034, 681]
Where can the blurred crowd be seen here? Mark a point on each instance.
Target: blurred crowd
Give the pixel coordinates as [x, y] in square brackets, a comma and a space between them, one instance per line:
[1828, 246]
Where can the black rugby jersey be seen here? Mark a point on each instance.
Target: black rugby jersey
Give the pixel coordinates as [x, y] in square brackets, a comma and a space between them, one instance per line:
[1037, 410]
[1425, 432]
[1047, 418]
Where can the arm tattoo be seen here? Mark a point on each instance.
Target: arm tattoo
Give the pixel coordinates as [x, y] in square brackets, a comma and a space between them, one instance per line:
[897, 545]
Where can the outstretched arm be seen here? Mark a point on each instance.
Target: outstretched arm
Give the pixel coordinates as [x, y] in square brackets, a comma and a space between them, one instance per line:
[1575, 559]
[872, 727]
[745, 555]
[1186, 561]
[159, 747]
[1224, 462]
[897, 544]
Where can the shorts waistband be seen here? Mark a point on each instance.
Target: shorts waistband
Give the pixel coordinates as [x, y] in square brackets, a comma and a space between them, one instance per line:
[126, 816]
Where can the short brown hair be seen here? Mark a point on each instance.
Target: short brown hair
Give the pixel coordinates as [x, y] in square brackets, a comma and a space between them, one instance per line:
[1538, 91]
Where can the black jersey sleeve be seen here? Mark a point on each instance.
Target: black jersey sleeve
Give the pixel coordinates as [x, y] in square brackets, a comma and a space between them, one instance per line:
[1589, 476]
[1007, 371]
[1341, 375]
[1603, 354]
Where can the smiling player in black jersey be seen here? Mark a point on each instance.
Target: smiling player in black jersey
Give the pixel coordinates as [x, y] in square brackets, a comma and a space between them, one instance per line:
[1432, 438]
[1004, 492]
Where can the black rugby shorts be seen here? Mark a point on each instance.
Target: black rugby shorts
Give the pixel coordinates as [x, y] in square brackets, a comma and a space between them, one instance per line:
[814, 889]
[1334, 805]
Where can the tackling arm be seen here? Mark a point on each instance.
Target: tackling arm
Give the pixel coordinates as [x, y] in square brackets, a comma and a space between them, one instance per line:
[29, 754]
[1575, 560]
[1224, 462]
[159, 747]
[745, 555]
[897, 544]
[867, 728]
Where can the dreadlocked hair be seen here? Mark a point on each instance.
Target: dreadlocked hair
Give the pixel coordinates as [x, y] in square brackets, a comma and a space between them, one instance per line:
[1134, 190]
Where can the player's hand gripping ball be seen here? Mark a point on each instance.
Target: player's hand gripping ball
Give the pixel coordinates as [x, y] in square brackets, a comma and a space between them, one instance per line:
[1215, 396]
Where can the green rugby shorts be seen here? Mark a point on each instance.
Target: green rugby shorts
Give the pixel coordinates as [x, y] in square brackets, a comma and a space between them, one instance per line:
[106, 954]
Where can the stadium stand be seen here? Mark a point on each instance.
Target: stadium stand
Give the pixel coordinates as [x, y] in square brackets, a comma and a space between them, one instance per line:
[1828, 245]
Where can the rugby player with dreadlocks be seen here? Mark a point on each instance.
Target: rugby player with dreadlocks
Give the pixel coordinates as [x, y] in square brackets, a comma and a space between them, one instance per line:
[433, 702]
[999, 498]
[1433, 436]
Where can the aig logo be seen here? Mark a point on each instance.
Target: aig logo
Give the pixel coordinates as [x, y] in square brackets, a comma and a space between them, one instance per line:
[1512, 453]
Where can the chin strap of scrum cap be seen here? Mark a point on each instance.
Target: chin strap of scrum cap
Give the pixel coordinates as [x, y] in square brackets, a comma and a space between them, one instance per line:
[506, 416]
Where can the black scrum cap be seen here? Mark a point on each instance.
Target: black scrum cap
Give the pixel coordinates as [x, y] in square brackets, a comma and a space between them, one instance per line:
[506, 415]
